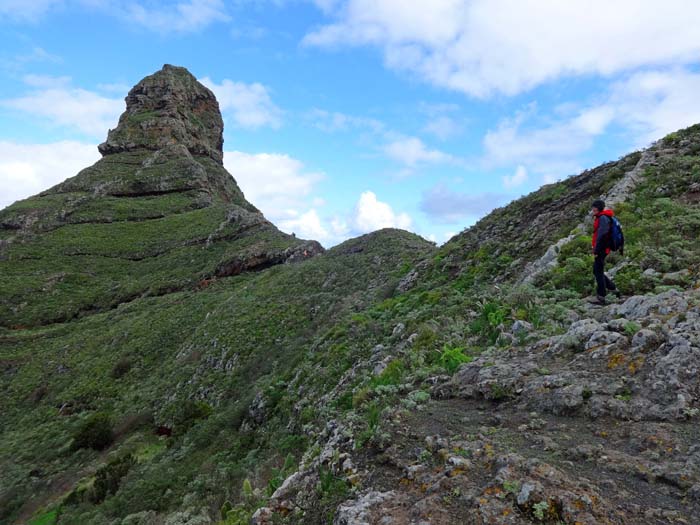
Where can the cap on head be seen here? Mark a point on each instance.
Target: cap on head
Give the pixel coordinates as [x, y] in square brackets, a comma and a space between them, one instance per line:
[599, 204]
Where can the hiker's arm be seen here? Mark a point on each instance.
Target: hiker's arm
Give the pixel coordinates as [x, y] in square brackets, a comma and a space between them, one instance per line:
[603, 230]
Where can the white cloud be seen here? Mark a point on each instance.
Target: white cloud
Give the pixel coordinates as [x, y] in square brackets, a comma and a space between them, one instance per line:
[411, 151]
[371, 214]
[26, 10]
[18, 62]
[306, 226]
[547, 149]
[281, 187]
[326, 5]
[275, 183]
[250, 105]
[27, 169]
[593, 121]
[118, 88]
[651, 104]
[46, 81]
[333, 121]
[162, 17]
[517, 179]
[182, 17]
[481, 47]
[441, 122]
[447, 206]
[443, 127]
[645, 105]
[62, 105]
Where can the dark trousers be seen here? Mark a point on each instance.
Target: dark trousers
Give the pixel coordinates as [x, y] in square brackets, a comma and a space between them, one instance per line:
[602, 281]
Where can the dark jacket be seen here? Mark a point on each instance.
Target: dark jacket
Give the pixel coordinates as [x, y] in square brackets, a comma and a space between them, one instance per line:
[602, 229]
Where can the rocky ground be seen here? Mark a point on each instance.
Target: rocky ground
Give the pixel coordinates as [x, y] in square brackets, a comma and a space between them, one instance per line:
[163, 362]
[592, 426]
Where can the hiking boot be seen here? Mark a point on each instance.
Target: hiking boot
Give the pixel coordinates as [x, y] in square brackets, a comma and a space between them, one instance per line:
[597, 300]
[616, 293]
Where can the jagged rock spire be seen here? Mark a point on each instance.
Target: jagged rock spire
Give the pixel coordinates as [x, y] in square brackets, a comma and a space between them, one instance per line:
[169, 107]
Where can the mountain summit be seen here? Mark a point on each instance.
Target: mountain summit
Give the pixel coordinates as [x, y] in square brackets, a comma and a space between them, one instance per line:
[157, 214]
[167, 108]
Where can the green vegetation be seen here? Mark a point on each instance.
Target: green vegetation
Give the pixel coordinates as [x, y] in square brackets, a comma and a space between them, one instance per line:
[47, 518]
[332, 490]
[452, 358]
[95, 432]
[143, 376]
[632, 328]
[540, 509]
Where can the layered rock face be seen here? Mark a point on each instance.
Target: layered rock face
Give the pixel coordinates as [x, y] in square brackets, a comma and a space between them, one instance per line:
[166, 108]
[157, 213]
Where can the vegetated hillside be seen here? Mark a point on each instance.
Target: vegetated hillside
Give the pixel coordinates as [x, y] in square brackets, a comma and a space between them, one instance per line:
[383, 381]
[157, 213]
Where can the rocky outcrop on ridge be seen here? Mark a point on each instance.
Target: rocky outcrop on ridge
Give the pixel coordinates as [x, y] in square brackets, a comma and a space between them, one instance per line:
[166, 108]
[158, 213]
[189, 375]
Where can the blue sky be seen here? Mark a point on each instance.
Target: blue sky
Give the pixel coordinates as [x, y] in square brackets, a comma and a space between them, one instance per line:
[344, 116]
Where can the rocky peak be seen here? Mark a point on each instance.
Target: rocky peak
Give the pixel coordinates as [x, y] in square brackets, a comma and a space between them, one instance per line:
[167, 108]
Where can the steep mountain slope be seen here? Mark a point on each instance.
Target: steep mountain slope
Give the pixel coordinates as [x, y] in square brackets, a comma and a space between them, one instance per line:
[136, 290]
[521, 403]
[383, 381]
[157, 213]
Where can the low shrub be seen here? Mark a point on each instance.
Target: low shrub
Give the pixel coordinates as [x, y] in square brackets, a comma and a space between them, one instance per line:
[186, 413]
[452, 358]
[95, 432]
[108, 478]
[121, 368]
[391, 375]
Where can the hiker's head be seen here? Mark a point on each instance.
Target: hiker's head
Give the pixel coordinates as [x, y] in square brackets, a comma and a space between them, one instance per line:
[597, 206]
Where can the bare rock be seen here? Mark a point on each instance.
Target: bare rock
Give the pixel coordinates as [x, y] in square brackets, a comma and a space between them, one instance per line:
[168, 107]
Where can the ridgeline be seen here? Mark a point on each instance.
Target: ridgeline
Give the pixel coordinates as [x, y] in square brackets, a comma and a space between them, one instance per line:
[168, 356]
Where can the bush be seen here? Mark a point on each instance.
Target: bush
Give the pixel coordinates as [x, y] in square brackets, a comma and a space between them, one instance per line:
[47, 518]
[185, 414]
[488, 323]
[96, 432]
[132, 422]
[391, 375]
[451, 358]
[577, 247]
[107, 478]
[575, 274]
[277, 476]
[630, 281]
[331, 489]
[121, 368]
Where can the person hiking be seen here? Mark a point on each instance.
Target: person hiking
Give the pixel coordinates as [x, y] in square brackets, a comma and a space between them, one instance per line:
[601, 246]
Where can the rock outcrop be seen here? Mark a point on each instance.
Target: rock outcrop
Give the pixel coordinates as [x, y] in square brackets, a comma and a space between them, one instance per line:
[237, 374]
[166, 108]
[159, 202]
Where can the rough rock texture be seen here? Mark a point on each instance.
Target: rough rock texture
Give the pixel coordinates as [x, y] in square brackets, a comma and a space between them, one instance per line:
[166, 108]
[589, 427]
[625, 186]
[385, 381]
[157, 214]
[596, 369]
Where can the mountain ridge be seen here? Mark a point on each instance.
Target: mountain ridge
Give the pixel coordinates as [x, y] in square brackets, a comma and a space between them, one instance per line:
[384, 380]
[161, 167]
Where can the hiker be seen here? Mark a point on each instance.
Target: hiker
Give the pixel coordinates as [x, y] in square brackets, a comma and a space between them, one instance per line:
[602, 245]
